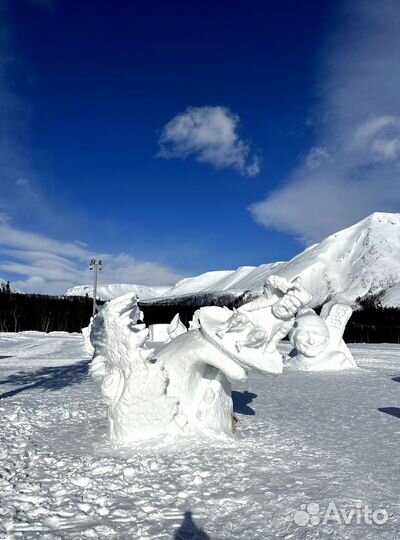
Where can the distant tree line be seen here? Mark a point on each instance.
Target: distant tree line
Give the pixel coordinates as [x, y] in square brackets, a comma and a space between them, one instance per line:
[163, 311]
[19, 312]
[372, 323]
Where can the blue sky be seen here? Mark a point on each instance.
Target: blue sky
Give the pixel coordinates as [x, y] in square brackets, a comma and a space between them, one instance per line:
[173, 138]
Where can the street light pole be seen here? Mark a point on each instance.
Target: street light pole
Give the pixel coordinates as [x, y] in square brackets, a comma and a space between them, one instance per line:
[95, 266]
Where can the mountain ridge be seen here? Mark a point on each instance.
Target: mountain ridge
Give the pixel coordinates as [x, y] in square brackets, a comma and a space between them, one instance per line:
[361, 260]
[114, 290]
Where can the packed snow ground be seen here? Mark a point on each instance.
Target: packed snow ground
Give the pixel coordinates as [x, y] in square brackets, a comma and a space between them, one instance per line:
[303, 438]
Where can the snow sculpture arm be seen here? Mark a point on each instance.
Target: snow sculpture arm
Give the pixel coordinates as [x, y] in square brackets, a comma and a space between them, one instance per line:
[238, 322]
[275, 289]
[336, 319]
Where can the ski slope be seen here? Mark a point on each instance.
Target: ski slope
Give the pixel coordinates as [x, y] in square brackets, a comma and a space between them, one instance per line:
[303, 438]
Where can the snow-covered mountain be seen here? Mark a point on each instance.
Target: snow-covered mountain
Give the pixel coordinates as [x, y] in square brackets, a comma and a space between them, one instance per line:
[361, 260]
[108, 292]
[4, 282]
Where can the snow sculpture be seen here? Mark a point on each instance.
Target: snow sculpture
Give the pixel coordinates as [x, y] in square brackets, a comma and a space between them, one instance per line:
[318, 341]
[186, 388]
[132, 386]
[159, 332]
[86, 338]
[176, 327]
[164, 333]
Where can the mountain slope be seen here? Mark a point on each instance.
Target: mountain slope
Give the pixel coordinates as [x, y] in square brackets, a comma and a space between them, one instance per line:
[108, 292]
[361, 260]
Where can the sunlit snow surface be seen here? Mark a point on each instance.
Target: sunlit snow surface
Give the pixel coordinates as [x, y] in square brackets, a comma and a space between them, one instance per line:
[304, 437]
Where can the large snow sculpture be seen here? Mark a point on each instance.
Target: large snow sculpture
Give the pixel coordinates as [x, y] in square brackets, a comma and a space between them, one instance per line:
[186, 388]
[318, 341]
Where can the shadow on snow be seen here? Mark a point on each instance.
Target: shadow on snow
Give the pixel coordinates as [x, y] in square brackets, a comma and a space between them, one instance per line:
[48, 378]
[189, 530]
[393, 411]
[241, 401]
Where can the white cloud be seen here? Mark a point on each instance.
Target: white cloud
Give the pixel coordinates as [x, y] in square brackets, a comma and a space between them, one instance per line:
[211, 135]
[359, 129]
[316, 157]
[379, 138]
[4, 218]
[51, 267]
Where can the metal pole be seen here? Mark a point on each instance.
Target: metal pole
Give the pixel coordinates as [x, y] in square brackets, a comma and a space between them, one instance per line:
[94, 289]
[95, 266]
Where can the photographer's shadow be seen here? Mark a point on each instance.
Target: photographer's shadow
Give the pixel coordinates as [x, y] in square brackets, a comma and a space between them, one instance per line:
[189, 530]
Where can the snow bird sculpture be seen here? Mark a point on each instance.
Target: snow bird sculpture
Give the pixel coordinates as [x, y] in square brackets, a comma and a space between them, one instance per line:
[185, 388]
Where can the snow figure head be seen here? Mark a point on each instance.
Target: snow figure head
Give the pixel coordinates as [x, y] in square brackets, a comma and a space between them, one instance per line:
[286, 307]
[310, 334]
[291, 296]
[318, 340]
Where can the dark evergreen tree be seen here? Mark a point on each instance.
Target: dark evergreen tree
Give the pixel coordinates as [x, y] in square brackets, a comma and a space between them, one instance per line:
[20, 312]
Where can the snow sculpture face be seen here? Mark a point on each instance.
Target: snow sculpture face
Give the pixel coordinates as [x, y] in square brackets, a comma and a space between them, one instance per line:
[318, 340]
[286, 307]
[310, 335]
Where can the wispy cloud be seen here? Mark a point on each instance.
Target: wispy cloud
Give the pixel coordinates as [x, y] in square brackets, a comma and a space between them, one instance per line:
[45, 265]
[210, 134]
[354, 167]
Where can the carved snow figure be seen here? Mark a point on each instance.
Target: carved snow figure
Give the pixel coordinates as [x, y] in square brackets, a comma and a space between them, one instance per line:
[159, 332]
[176, 327]
[186, 388]
[86, 338]
[133, 388]
[318, 341]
